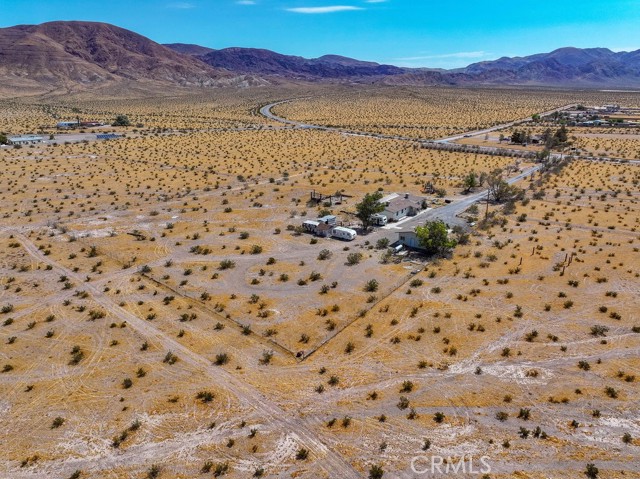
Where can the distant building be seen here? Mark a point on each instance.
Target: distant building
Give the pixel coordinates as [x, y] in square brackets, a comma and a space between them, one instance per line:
[24, 140]
[90, 124]
[65, 125]
[327, 226]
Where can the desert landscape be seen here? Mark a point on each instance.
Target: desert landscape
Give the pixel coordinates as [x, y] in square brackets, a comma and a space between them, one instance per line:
[164, 315]
[273, 260]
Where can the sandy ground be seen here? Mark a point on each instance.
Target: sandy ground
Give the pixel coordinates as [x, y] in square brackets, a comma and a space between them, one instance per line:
[195, 255]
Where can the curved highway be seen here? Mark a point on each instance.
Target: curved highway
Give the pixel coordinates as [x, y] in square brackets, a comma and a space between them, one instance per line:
[267, 113]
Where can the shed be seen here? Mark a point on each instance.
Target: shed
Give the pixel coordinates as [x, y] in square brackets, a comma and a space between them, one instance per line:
[329, 220]
[324, 229]
[409, 238]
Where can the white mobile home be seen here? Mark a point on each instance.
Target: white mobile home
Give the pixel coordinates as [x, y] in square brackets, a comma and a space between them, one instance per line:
[311, 226]
[344, 233]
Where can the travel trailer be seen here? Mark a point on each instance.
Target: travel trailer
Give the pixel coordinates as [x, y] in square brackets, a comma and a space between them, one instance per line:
[344, 233]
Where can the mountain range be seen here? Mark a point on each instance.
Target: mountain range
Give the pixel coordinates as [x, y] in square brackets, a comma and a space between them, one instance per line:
[69, 56]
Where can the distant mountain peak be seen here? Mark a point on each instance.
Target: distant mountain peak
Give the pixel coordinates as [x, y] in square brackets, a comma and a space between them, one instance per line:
[79, 55]
[68, 56]
[188, 48]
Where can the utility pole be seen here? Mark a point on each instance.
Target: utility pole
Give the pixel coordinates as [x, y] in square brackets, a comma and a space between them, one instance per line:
[486, 213]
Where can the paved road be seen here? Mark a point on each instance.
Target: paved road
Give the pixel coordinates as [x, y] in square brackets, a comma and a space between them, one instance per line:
[502, 126]
[267, 113]
[447, 213]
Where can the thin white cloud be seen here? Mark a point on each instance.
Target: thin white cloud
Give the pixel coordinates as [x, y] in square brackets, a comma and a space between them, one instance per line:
[246, 2]
[328, 9]
[376, 1]
[181, 5]
[479, 54]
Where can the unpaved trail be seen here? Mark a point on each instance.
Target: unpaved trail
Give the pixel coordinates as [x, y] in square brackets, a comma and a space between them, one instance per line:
[330, 461]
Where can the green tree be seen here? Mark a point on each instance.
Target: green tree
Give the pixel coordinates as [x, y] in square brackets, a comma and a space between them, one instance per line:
[544, 154]
[470, 181]
[561, 136]
[369, 206]
[3, 139]
[434, 238]
[500, 190]
[547, 138]
[121, 120]
[516, 137]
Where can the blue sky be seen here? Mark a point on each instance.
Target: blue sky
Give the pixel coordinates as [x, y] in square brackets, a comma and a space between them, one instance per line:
[400, 32]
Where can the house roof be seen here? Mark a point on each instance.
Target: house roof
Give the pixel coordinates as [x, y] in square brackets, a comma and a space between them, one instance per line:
[399, 205]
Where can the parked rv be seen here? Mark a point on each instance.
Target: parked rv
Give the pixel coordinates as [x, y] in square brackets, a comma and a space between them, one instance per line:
[344, 233]
[379, 220]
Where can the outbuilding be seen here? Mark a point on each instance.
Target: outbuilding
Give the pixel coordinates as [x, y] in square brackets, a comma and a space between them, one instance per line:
[325, 230]
[409, 238]
[65, 125]
[24, 140]
[328, 220]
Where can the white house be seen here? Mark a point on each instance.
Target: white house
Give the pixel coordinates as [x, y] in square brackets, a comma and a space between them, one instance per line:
[399, 206]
